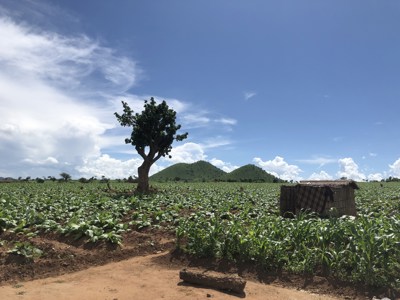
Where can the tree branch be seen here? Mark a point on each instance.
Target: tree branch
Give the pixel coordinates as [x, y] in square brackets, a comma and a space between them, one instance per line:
[141, 152]
[157, 157]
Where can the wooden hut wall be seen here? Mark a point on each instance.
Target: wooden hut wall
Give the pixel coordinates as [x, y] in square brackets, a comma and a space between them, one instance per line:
[343, 201]
[288, 201]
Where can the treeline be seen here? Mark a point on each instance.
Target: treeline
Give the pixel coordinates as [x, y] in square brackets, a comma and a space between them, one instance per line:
[65, 177]
[249, 180]
[391, 179]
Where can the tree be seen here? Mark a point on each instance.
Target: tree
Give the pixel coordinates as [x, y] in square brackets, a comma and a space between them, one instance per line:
[39, 180]
[153, 130]
[83, 180]
[65, 176]
[52, 178]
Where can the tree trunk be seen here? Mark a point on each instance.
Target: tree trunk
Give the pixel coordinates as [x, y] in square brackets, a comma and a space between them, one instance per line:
[143, 177]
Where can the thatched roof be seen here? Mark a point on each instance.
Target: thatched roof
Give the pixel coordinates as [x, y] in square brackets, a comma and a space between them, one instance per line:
[330, 183]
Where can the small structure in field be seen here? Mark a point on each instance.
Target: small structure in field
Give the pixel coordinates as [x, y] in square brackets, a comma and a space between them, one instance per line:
[319, 197]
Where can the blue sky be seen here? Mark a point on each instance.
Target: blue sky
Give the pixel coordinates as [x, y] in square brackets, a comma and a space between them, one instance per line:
[303, 89]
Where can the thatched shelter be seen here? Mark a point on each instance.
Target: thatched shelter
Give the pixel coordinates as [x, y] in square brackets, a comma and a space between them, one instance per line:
[320, 197]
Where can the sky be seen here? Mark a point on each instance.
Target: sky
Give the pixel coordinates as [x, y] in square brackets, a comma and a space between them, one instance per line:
[304, 89]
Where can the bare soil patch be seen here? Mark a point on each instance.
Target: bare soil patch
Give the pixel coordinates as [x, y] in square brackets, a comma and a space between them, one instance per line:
[61, 255]
[146, 265]
[139, 278]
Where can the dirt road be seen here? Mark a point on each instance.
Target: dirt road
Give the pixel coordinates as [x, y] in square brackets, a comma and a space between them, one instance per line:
[137, 278]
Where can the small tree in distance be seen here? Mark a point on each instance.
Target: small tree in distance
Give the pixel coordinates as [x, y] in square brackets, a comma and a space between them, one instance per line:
[153, 130]
[65, 176]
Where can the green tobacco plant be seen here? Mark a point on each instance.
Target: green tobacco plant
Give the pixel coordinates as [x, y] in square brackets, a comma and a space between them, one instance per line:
[26, 250]
[237, 222]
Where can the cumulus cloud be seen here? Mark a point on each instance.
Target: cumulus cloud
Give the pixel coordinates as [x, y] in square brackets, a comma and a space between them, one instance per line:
[322, 175]
[187, 153]
[224, 166]
[57, 97]
[395, 168]
[41, 122]
[279, 168]
[109, 167]
[349, 169]
[47, 114]
[105, 165]
[375, 177]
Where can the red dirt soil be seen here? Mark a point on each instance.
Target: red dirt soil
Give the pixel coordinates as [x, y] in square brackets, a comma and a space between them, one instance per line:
[145, 267]
[137, 278]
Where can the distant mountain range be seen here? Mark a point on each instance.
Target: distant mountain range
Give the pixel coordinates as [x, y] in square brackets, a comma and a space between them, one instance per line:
[205, 171]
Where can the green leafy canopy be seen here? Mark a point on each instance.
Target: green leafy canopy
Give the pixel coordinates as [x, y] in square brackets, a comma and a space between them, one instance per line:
[155, 127]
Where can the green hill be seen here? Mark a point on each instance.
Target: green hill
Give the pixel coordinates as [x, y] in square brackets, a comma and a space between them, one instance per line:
[249, 173]
[198, 171]
[204, 171]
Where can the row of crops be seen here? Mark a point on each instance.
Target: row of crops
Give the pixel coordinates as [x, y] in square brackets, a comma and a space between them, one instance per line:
[238, 222]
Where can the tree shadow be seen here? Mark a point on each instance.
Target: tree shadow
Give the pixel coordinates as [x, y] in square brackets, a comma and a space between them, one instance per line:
[199, 286]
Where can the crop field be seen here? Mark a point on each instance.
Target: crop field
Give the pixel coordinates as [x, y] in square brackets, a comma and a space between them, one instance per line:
[236, 222]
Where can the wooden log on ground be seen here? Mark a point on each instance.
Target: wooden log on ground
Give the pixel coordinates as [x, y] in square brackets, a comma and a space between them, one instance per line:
[227, 282]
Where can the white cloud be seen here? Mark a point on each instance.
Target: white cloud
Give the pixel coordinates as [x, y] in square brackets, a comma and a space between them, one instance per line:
[371, 154]
[249, 95]
[226, 121]
[395, 168]
[58, 94]
[187, 153]
[321, 161]
[280, 168]
[62, 60]
[375, 177]
[48, 160]
[48, 124]
[189, 116]
[349, 169]
[227, 167]
[45, 98]
[104, 165]
[216, 142]
[195, 120]
[109, 167]
[320, 176]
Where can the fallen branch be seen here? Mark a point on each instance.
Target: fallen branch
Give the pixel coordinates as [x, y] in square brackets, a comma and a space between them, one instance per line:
[228, 282]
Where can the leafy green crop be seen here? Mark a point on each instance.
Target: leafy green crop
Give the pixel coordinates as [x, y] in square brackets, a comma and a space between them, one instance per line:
[245, 227]
[26, 250]
[238, 222]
